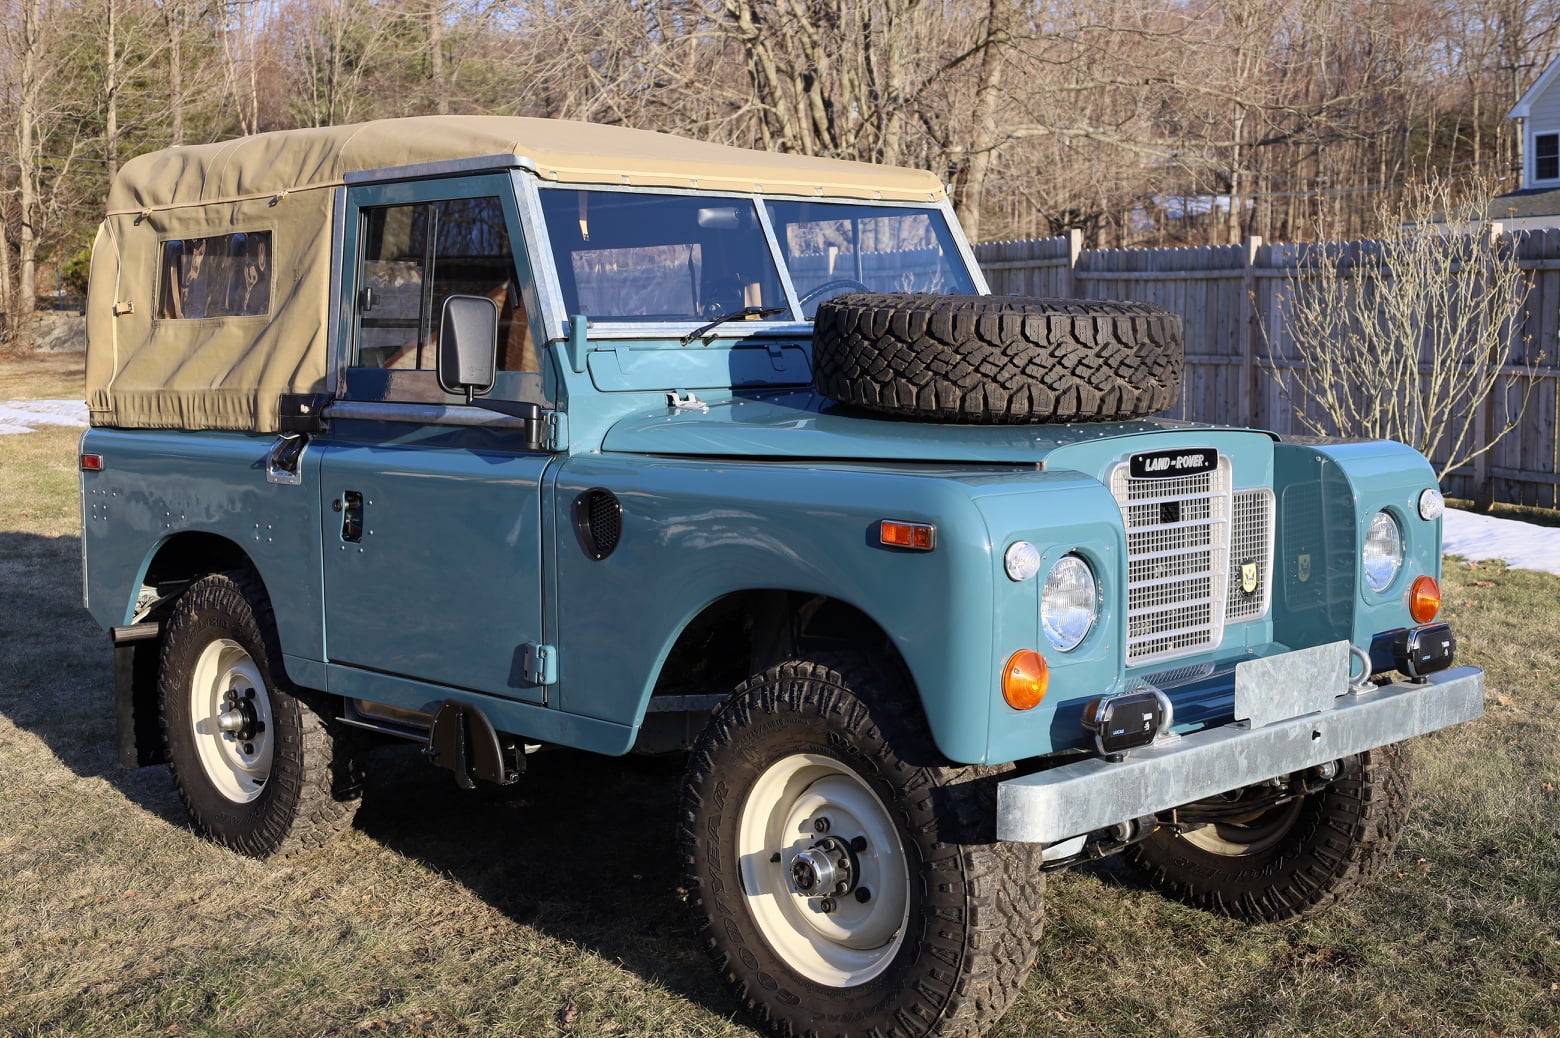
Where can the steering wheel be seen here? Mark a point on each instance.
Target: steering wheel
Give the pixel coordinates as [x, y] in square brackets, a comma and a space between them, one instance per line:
[832, 286]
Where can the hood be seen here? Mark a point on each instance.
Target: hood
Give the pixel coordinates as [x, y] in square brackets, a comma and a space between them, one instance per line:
[802, 425]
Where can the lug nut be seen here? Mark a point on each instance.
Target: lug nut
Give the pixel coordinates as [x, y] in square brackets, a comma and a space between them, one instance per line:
[826, 905]
[820, 825]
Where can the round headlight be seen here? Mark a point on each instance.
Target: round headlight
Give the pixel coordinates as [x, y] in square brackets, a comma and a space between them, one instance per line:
[1069, 603]
[1431, 504]
[1383, 554]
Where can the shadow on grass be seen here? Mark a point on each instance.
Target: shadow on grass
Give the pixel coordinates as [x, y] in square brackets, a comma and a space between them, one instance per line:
[582, 848]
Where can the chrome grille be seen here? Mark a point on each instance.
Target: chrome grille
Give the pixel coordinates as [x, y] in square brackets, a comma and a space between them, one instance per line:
[1251, 543]
[1178, 559]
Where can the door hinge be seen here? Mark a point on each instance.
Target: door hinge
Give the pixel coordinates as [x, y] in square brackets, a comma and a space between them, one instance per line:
[541, 664]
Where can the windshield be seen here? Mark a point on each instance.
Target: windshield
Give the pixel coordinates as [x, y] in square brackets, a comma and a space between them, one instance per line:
[643, 256]
[637, 256]
[832, 247]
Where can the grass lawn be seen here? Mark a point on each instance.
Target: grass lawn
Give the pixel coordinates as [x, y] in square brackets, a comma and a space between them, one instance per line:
[555, 909]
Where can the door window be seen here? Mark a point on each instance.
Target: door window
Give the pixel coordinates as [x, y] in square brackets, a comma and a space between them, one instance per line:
[413, 257]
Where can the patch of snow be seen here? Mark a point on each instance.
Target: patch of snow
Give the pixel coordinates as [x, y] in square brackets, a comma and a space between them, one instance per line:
[1479, 537]
[23, 416]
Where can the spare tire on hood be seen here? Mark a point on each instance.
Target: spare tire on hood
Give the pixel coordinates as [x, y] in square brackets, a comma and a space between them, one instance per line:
[997, 359]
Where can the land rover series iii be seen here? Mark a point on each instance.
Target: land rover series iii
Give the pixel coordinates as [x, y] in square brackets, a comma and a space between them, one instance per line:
[497, 434]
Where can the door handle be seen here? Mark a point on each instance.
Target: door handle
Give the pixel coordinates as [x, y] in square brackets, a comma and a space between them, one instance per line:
[350, 505]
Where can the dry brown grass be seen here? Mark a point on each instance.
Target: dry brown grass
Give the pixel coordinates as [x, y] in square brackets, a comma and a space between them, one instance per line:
[555, 910]
[43, 376]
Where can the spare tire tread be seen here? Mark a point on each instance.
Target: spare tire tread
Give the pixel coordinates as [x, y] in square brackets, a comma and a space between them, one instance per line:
[997, 360]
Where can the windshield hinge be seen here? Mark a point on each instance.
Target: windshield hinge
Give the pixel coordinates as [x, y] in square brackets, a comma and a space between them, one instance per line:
[682, 400]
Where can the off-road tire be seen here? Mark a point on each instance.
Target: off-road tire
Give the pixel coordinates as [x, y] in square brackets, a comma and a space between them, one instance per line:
[1338, 838]
[996, 359]
[308, 790]
[972, 906]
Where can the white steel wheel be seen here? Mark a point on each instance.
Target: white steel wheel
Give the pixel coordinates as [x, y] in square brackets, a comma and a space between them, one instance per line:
[844, 878]
[258, 764]
[230, 713]
[823, 870]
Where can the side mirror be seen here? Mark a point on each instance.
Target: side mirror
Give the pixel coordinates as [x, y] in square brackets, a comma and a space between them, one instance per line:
[468, 345]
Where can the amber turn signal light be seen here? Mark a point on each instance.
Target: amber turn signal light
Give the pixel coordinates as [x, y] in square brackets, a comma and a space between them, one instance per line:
[915, 536]
[1424, 600]
[1024, 679]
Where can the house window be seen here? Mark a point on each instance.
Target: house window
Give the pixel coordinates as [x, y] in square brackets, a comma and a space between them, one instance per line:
[1546, 156]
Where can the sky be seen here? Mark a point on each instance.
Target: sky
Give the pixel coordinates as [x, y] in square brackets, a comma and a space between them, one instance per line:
[1474, 537]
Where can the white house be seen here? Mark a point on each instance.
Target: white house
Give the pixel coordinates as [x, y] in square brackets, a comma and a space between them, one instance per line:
[1536, 204]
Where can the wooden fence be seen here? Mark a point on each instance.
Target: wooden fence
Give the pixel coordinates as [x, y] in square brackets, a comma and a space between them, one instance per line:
[1228, 297]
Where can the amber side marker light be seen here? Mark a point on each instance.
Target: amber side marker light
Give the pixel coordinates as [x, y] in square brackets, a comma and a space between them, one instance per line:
[1424, 600]
[92, 463]
[915, 536]
[1024, 679]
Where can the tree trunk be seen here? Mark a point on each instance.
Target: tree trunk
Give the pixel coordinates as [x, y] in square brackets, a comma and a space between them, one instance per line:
[985, 136]
[27, 161]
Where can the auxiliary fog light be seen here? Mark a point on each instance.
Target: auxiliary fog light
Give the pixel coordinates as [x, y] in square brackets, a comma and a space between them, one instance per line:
[1069, 603]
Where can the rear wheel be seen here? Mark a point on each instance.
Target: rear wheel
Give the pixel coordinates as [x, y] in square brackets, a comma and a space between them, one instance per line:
[1294, 858]
[843, 877]
[258, 769]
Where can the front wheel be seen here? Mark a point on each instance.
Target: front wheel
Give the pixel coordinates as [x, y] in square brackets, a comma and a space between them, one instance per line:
[843, 877]
[1286, 859]
[258, 769]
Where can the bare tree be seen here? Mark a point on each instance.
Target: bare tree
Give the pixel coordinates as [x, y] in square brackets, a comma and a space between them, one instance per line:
[1410, 337]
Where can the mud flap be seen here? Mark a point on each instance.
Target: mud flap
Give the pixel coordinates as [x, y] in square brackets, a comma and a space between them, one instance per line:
[463, 740]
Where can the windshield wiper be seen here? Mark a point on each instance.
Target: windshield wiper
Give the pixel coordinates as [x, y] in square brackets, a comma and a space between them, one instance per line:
[746, 311]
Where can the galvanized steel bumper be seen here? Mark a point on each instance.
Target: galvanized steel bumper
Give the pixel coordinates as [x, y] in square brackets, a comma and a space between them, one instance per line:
[1076, 799]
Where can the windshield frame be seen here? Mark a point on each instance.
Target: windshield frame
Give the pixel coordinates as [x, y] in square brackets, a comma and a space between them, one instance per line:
[528, 189]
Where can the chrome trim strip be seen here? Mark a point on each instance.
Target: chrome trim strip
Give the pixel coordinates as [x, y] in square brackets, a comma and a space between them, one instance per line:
[333, 337]
[1048, 806]
[422, 414]
[777, 255]
[963, 244]
[549, 290]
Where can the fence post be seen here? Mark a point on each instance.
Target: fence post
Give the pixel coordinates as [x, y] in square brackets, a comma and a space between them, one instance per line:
[1247, 327]
[1074, 250]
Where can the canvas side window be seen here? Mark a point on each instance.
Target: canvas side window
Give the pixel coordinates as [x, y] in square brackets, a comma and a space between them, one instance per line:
[228, 275]
[413, 258]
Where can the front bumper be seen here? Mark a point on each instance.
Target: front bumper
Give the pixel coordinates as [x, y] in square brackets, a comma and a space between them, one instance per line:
[1076, 799]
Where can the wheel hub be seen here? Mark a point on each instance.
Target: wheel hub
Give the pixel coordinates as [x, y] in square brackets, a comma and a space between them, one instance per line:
[826, 869]
[239, 720]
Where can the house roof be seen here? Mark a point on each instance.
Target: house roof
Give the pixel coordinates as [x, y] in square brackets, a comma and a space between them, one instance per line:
[1523, 108]
[1538, 201]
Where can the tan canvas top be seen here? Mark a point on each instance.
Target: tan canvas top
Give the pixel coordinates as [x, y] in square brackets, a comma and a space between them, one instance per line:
[562, 150]
[152, 366]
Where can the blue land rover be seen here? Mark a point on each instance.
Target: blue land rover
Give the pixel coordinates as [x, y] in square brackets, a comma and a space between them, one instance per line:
[504, 434]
